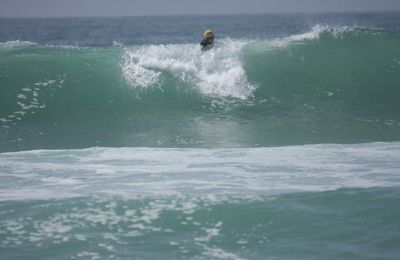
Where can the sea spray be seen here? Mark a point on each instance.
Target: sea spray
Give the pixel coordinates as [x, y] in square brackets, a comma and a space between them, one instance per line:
[217, 72]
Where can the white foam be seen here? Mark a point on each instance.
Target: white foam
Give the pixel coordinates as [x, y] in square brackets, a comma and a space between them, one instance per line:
[117, 44]
[4, 120]
[210, 233]
[218, 253]
[210, 173]
[313, 34]
[136, 74]
[45, 83]
[29, 99]
[17, 43]
[218, 71]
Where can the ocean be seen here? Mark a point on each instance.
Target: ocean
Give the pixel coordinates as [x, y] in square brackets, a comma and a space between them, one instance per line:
[121, 139]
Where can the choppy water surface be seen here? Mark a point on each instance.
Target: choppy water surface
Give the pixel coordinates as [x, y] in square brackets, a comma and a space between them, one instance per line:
[120, 138]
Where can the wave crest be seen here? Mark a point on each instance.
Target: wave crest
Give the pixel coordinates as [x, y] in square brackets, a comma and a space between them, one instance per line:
[16, 43]
[216, 72]
[314, 34]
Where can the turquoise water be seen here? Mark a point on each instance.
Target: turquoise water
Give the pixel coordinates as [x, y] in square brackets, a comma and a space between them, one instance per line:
[120, 138]
[328, 85]
[315, 201]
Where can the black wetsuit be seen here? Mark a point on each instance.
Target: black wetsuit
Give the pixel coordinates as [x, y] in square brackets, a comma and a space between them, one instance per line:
[205, 44]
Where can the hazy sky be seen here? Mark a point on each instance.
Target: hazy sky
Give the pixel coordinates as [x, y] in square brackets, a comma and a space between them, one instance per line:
[35, 8]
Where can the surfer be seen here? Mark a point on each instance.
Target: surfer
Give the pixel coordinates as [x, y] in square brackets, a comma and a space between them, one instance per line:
[208, 40]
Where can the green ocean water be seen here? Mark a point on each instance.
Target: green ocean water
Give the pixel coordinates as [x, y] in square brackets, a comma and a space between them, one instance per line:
[292, 202]
[121, 139]
[282, 227]
[328, 86]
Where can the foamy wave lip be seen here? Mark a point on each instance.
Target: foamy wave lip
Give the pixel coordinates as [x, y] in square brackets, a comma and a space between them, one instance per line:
[217, 72]
[17, 43]
[67, 46]
[314, 34]
[135, 73]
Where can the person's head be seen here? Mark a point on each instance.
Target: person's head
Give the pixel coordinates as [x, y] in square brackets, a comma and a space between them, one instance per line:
[209, 35]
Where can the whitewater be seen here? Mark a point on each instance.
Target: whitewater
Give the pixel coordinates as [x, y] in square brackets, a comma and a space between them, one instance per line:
[121, 139]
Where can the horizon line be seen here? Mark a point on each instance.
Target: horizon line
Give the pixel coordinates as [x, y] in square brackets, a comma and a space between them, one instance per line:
[208, 15]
